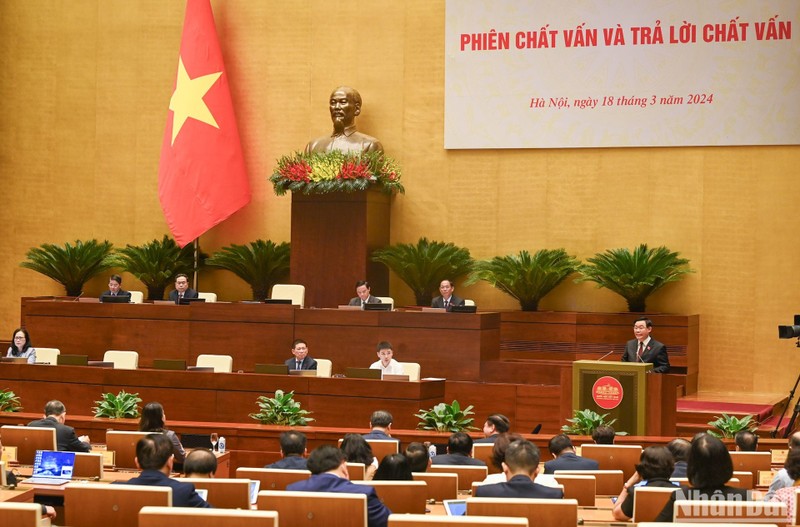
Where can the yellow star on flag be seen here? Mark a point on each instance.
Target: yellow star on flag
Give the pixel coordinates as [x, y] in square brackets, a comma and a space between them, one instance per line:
[187, 100]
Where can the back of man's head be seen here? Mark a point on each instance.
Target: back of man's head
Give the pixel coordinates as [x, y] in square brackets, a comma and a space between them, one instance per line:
[522, 456]
[54, 407]
[459, 443]
[746, 441]
[293, 443]
[200, 463]
[324, 459]
[153, 451]
[604, 435]
[559, 444]
[679, 448]
[417, 456]
[794, 440]
[380, 418]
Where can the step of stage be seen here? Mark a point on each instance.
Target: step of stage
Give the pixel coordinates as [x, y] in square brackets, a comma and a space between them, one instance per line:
[696, 410]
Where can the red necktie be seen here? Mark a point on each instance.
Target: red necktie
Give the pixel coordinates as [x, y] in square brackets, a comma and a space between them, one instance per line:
[641, 350]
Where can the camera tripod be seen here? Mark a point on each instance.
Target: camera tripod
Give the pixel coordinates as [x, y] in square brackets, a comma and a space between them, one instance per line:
[795, 413]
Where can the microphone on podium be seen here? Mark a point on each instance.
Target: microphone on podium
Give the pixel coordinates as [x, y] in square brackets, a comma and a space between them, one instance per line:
[607, 354]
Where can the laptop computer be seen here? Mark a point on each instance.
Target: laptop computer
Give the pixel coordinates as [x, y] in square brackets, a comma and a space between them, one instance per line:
[455, 507]
[463, 309]
[273, 369]
[52, 468]
[255, 485]
[362, 373]
[111, 299]
[196, 441]
[278, 301]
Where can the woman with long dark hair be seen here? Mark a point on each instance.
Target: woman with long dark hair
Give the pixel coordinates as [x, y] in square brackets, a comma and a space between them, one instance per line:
[21, 346]
[154, 420]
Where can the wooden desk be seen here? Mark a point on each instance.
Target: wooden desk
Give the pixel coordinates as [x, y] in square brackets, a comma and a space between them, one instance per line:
[222, 397]
[19, 495]
[263, 333]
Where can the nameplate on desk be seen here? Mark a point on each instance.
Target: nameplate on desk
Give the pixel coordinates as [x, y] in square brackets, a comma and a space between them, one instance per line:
[303, 373]
[163, 302]
[100, 364]
[14, 360]
[169, 364]
[9, 454]
[348, 307]
[434, 310]
[273, 369]
[362, 373]
[200, 368]
[72, 360]
[765, 477]
[392, 377]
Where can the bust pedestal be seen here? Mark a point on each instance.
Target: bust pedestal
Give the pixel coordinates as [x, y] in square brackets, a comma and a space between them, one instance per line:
[333, 236]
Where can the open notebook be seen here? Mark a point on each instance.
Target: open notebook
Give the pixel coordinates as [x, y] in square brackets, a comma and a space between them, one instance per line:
[52, 468]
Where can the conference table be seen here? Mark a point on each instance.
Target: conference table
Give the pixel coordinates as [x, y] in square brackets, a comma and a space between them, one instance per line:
[450, 345]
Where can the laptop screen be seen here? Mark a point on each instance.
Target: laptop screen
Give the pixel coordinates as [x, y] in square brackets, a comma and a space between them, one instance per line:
[455, 507]
[49, 463]
[255, 484]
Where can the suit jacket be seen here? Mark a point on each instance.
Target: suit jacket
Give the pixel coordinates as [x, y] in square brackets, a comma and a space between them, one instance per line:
[183, 494]
[680, 470]
[121, 292]
[189, 293]
[293, 462]
[570, 461]
[381, 435]
[66, 439]
[456, 459]
[491, 439]
[454, 301]
[308, 364]
[377, 512]
[371, 300]
[518, 487]
[655, 353]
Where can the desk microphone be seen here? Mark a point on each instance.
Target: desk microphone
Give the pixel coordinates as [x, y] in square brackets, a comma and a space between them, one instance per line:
[607, 354]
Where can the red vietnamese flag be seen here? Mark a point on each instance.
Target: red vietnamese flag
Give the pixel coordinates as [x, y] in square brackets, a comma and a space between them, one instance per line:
[201, 177]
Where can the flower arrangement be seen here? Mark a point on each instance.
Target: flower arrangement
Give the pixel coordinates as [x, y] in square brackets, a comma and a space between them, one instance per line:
[321, 173]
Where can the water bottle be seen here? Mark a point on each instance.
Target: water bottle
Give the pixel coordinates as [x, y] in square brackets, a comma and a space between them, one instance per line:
[431, 451]
[221, 445]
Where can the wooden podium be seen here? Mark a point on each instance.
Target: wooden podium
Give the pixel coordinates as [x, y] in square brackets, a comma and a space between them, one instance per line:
[333, 236]
[616, 388]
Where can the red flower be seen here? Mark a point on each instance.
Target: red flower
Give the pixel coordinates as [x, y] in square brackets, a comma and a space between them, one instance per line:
[299, 171]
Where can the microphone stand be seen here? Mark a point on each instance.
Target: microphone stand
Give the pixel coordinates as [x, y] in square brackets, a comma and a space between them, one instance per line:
[795, 413]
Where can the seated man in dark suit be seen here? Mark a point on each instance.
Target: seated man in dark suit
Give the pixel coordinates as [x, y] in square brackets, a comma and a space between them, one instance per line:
[154, 457]
[54, 416]
[293, 451]
[417, 456]
[329, 474]
[200, 463]
[363, 295]
[301, 360]
[495, 425]
[381, 423]
[520, 466]
[447, 298]
[182, 289]
[114, 289]
[459, 452]
[565, 457]
[679, 448]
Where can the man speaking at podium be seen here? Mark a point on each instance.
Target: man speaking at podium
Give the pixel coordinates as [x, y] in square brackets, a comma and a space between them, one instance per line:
[646, 349]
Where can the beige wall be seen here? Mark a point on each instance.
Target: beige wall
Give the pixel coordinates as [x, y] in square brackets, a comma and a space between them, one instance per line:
[83, 102]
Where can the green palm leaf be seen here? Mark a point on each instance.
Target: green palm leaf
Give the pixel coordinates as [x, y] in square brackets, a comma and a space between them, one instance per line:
[156, 263]
[261, 264]
[524, 277]
[635, 275]
[71, 265]
[424, 265]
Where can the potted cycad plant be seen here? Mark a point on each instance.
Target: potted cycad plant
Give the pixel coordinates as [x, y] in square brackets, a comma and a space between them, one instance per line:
[424, 264]
[524, 277]
[156, 263]
[636, 274]
[261, 264]
[71, 265]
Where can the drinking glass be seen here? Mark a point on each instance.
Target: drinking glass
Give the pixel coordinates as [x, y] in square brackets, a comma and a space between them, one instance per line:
[214, 439]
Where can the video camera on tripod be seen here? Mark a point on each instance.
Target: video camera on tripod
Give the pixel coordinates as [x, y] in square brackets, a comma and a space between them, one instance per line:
[791, 332]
